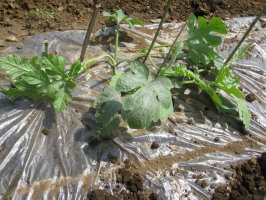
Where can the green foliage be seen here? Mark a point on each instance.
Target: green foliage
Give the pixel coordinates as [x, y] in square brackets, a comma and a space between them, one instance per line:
[140, 100]
[119, 17]
[41, 77]
[202, 38]
[42, 14]
[201, 54]
[108, 105]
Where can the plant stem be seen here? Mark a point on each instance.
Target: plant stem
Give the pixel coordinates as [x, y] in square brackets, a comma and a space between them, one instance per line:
[263, 10]
[156, 47]
[116, 48]
[153, 64]
[88, 34]
[137, 56]
[187, 82]
[170, 50]
[158, 29]
[46, 43]
[97, 59]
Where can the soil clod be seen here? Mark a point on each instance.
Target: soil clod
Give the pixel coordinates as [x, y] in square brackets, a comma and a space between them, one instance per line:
[113, 159]
[250, 97]
[46, 131]
[155, 145]
[249, 182]
[93, 142]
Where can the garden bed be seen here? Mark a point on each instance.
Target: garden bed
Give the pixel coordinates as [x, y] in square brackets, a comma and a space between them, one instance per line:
[196, 154]
[186, 156]
[17, 21]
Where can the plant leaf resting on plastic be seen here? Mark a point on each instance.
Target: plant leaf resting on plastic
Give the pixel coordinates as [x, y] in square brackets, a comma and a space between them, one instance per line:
[137, 97]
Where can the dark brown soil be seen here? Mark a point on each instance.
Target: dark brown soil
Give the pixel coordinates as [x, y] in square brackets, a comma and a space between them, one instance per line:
[101, 195]
[250, 97]
[249, 183]
[155, 145]
[17, 22]
[133, 182]
[94, 142]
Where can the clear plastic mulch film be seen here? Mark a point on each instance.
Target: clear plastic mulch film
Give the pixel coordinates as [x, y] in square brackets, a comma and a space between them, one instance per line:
[195, 144]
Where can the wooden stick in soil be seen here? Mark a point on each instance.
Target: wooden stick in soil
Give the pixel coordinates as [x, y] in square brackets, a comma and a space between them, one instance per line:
[46, 43]
[263, 10]
[89, 30]
[171, 49]
[159, 28]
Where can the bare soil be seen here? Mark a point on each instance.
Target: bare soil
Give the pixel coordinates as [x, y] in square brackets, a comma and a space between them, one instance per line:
[17, 22]
[249, 183]
[132, 179]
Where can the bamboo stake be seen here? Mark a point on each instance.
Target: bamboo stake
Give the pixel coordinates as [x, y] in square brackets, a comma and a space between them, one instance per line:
[159, 28]
[89, 30]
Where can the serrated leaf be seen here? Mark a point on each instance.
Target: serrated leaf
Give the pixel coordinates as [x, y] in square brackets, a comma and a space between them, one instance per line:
[230, 84]
[119, 17]
[11, 93]
[15, 65]
[62, 97]
[191, 23]
[52, 89]
[240, 54]
[203, 38]
[40, 78]
[181, 70]
[243, 111]
[74, 70]
[53, 63]
[35, 77]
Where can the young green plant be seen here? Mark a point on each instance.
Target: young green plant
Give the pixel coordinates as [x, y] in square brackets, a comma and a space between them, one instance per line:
[118, 17]
[42, 77]
[42, 14]
[141, 99]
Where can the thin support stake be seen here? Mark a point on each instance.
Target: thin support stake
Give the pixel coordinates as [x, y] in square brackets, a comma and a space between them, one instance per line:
[89, 30]
[46, 43]
[171, 49]
[263, 10]
[159, 28]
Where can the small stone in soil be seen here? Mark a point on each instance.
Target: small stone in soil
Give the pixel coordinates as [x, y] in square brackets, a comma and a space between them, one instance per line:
[217, 139]
[113, 159]
[127, 162]
[2, 43]
[154, 196]
[155, 145]
[191, 122]
[155, 21]
[93, 142]
[174, 147]
[11, 39]
[20, 46]
[46, 131]
[250, 97]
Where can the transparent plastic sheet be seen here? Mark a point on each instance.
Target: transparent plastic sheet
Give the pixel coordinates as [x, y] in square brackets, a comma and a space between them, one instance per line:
[61, 165]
